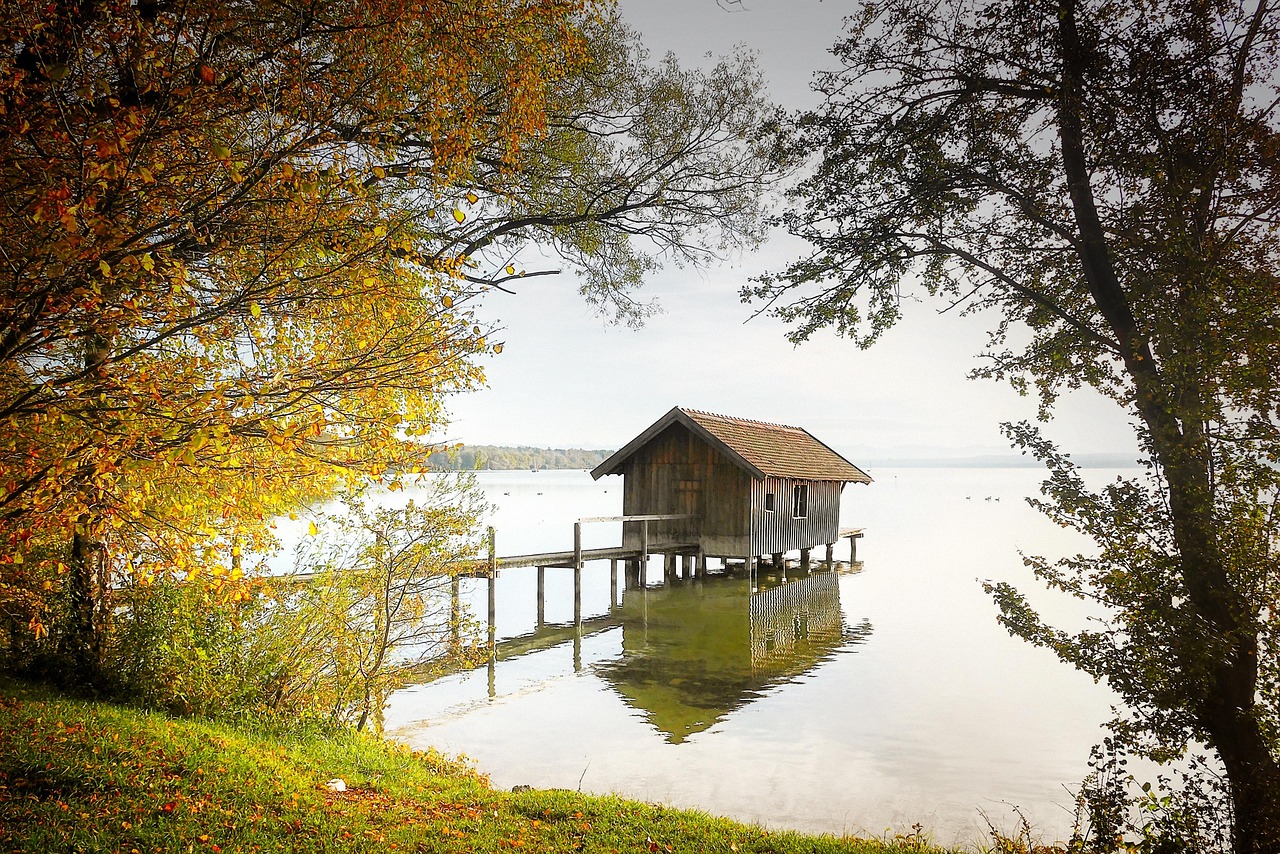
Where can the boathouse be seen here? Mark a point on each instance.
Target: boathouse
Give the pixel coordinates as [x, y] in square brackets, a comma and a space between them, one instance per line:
[741, 488]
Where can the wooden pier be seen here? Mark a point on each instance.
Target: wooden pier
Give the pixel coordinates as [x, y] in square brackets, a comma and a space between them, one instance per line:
[692, 564]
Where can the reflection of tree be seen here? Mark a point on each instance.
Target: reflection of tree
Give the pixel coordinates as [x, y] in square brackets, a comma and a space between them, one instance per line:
[693, 654]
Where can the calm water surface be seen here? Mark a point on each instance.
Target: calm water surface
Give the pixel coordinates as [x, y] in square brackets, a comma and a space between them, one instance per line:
[857, 702]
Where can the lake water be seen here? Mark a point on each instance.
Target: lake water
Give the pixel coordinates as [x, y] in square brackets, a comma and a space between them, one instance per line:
[856, 702]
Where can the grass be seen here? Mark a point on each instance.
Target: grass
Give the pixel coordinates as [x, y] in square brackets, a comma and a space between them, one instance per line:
[91, 777]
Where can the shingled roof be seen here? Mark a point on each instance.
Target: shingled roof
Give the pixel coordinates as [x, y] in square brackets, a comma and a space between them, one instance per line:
[764, 450]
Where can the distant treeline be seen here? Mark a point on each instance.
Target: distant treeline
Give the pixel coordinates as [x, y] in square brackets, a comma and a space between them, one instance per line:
[470, 457]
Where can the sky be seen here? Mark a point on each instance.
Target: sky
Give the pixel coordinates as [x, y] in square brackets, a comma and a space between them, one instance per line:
[566, 378]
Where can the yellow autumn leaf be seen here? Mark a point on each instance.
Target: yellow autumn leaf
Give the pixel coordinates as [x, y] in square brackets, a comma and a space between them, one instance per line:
[379, 172]
[511, 270]
[447, 302]
[497, 348]
[459, 215]
[255, 309]
[312, 529]
[472, 198]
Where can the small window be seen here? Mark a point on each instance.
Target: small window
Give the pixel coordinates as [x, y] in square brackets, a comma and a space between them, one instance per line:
[768, 502]
[800, 501]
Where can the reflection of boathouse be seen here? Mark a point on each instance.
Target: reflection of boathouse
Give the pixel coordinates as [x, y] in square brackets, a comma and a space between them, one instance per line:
[740, 488]
[691, 654]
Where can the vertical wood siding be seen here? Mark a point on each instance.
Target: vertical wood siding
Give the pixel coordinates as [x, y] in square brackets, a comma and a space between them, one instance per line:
[778, 530]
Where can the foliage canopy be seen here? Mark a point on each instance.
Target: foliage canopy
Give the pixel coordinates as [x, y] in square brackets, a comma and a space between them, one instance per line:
[244, 243]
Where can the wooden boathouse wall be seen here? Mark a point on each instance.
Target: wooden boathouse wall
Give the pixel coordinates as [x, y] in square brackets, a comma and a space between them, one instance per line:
[679, 473]
[779, 529]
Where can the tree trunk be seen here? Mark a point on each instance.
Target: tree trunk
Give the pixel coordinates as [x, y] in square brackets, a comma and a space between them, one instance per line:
[86, 587]
[88, 584]
[1253, 774]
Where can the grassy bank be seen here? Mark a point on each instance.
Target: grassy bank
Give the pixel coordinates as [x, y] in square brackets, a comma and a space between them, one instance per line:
[81, 776]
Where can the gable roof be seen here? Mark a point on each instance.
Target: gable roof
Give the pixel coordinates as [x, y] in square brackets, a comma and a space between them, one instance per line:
[764, 450]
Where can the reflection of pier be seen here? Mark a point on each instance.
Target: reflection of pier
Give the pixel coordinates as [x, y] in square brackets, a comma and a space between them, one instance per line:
[681, 562]
[696, 648]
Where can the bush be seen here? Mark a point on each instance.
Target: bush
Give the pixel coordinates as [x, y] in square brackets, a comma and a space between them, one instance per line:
[1114, 813]
[183, 645]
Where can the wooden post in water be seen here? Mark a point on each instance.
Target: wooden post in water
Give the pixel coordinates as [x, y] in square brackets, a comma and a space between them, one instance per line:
[701, 569]
[804, 560]
[613, 583]
[669, 568]
[831, 564]
[644, 552]
[853, 550]
[542, 595]
[493, 599]
[577, 574]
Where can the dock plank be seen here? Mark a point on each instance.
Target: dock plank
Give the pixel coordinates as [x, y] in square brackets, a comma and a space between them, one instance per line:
[565, 558]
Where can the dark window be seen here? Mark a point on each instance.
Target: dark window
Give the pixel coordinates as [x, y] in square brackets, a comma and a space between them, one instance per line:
[768, 502]
[800, 501]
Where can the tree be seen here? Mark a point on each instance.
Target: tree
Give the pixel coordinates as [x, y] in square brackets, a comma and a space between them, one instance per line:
[243, 245]
[213, 302]
[380, 604]
[1103, 179]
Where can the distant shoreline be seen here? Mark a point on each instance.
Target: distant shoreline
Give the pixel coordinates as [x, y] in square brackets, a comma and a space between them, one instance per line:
[996, 461]
[527, 457]
[515, 458]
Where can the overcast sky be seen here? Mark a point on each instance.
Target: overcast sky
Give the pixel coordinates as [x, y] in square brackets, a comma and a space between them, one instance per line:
[566, 379]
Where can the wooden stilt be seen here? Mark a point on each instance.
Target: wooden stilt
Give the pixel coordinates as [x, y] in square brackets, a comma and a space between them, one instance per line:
[669, 568]
[577, 573]
[831, 563]
[542, 595]
[804, 560]
[613, 583]
[493, 598]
